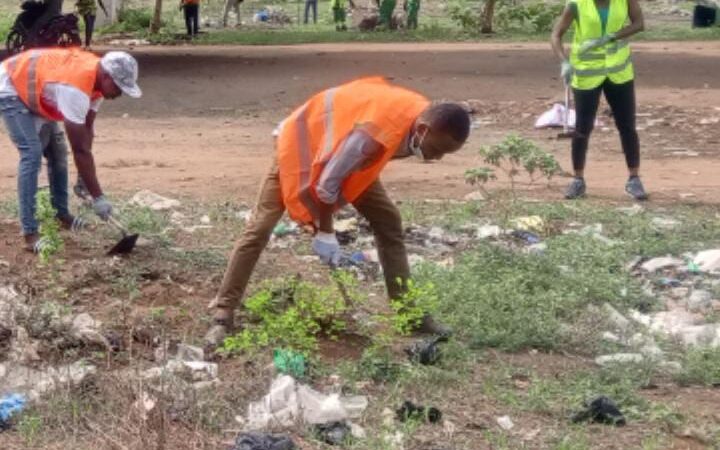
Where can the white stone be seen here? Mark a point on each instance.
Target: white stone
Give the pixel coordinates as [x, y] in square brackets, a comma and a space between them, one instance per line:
[614, 316]
[663, 223]
[474, 196]
[673, 321]
[87, 329]
[505, 423]
[205, 220]
[700, 335]
[664, 262]
[699, 300]
[708, 260]
[611, 337]
[187, 352]
[618, 358]
[642, 319]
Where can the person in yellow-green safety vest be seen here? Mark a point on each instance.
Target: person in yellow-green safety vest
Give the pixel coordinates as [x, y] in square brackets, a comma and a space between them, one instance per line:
[412, 7]
[338, 10]
[600, 62]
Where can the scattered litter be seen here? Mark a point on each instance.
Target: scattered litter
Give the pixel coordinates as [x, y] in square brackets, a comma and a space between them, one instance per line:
[153, 201]
[555, 117]
[667, 282]
[205, 220]
[529, 223]
[600, 410]
[426, 351]
[488, 231]
[618, 358]
[505, 423]
[283, 229]
[289, 401]
[263, 441]
[527, 237]
[288, 362]
[334, 433]
[10, 405]
[631, 210]
[684, 153]
[409, 410]
[346, 225]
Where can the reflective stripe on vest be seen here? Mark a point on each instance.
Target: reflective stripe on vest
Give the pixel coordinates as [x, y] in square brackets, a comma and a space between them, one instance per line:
[611, 49]
[604, 70]
[32, 82]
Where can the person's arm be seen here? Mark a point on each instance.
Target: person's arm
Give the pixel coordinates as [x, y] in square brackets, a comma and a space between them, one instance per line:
[637, 21]
[559, 30]
[80, 137]
[357, 150]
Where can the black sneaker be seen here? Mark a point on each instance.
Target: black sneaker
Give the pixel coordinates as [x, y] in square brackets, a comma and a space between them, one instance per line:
[635, 189]
[576, 189]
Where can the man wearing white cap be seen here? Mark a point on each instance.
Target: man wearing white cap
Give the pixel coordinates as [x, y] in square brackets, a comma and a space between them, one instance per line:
[38, 89]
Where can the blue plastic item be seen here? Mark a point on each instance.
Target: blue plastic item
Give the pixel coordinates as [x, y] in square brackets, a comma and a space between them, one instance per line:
[10, 405]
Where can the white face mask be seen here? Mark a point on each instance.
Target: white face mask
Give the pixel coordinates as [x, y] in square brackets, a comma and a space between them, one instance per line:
[415, 144]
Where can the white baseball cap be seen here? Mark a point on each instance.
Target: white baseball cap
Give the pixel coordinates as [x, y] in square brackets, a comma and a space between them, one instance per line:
[123, 69]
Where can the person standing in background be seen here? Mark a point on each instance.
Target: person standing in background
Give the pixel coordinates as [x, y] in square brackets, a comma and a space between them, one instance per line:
[88, 11]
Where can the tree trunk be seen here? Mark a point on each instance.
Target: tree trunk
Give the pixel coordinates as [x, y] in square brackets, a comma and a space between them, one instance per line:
[155, 25]
[486, 20]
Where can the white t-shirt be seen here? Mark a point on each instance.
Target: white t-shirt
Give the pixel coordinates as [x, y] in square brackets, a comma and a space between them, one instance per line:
[70, 101]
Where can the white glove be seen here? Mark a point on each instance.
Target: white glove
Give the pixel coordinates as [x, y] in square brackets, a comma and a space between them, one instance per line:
[102, 207]
[326, 246]
[596, 43]
[566, 71]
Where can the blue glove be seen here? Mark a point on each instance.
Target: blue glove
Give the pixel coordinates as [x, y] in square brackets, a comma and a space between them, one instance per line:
[326, 246]
[596, 43]
[102, 207]
[566, 71]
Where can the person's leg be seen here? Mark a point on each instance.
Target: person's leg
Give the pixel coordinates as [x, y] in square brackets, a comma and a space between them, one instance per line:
[377, 207]
[188, 19]
[20, 125]
[57, 167]
[586, 104]
[196, 20]
[314, 11]
[307, 11]
[621, 98]
[268, 211]
[384, 217]
[89, 27]
[228, 6]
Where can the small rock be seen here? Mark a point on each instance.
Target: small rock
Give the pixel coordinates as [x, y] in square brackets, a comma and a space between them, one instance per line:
[505, 423]
[615, 317]
[700, 335]
[474, 196]
[662, 223]
[618, 358]
[611, 337]
[187, 352]
[699, 301]
[708, 260]
[664, 262]
[205, 220]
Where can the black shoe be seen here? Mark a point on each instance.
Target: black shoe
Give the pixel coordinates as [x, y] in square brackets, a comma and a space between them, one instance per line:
[635, 189]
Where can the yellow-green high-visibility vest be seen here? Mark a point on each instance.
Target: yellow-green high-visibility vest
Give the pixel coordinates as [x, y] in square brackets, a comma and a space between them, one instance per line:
[610, 61]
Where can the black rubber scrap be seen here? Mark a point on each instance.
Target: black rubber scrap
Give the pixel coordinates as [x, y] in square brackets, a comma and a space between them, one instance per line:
[600, 410]
[333, 433]
[409, 410]
[263, 441]
[426, 352]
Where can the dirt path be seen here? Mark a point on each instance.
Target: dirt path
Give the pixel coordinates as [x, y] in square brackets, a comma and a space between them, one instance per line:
[203, 128]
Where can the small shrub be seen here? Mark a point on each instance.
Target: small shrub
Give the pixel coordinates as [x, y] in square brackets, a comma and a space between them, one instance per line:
[537, 17]
[420, 299]
[466, 16]
[49, 227]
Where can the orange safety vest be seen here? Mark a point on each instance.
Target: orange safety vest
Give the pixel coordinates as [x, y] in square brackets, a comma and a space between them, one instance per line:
[30, 71]
[313, 133]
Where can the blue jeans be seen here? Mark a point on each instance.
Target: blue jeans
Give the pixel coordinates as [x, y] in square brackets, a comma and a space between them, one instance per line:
[33, 145]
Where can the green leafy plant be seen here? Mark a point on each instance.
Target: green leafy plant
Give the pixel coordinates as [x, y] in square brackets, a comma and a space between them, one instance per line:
[537, 17]
[291, 314]
[512, 156]
[420, 299]
[49, 227]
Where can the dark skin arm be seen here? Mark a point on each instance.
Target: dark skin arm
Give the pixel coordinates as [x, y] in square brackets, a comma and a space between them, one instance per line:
[81, 138]
[637, 24]
[326, 218]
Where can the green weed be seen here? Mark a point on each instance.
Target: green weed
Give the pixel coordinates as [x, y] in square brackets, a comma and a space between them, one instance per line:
[701, 366]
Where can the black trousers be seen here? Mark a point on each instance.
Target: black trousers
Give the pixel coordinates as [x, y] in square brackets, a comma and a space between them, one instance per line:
[311, 4]
[621, 98]
[192, 17]
[89, 26]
